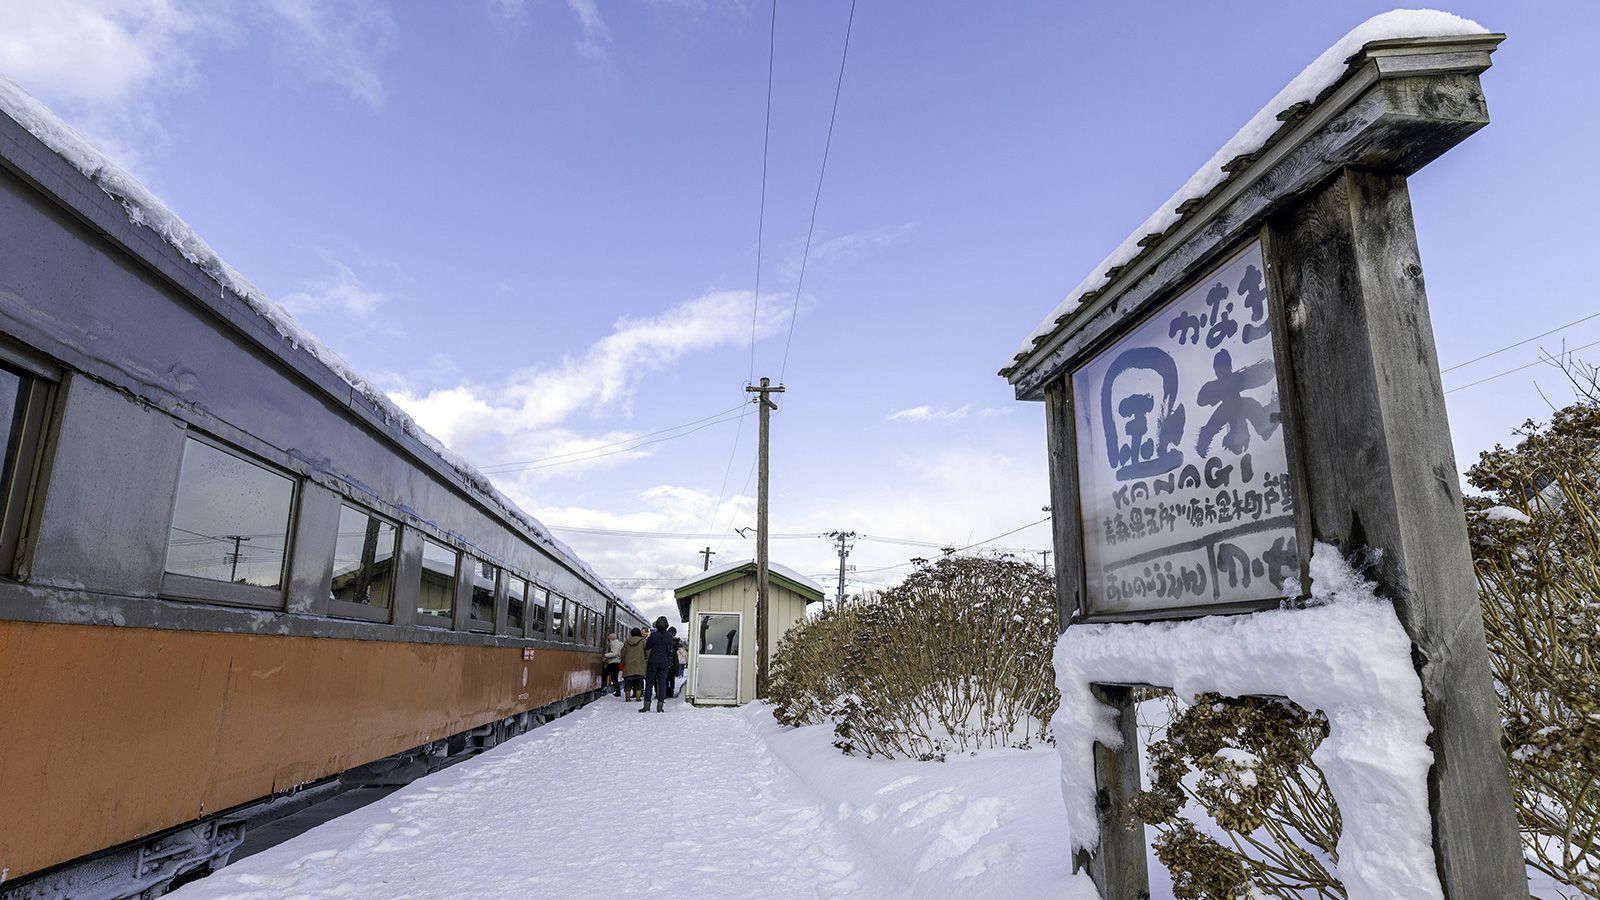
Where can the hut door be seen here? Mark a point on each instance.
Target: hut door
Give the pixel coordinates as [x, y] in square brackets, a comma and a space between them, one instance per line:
[716, 669]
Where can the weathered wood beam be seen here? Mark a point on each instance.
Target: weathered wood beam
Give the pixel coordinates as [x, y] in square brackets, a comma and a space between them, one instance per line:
[1381, 473]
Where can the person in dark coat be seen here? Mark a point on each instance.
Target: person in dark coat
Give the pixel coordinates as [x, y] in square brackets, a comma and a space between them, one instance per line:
[672, 672]
[633, 659]
[658, 665]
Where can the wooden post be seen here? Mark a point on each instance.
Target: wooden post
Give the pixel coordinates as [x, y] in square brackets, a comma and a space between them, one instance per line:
[1381, 473]
[1118, 864]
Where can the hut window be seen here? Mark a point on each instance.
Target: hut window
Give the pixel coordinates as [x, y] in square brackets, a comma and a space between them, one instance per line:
[363, 558]
[516, 603]
[230, 521]
[436, 602]
[719, 635]
[483, 586]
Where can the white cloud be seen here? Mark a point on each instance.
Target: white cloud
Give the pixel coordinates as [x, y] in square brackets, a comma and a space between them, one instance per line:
[854, 245]
[485, 421]
[339, 42]
[594, 36]
[92, 51]
[929, 414]
[341, 292]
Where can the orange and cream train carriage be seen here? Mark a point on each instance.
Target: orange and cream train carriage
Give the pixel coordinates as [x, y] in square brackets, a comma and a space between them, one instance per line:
[227, 572]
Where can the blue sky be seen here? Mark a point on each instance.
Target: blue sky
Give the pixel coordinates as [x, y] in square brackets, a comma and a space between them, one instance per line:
[535, 222]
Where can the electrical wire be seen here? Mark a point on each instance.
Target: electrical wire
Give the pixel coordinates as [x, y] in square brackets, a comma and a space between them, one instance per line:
[512, 464]
[1518, 368]
[815, 201]
[761, 220]
[523, 467]
[1519, 343]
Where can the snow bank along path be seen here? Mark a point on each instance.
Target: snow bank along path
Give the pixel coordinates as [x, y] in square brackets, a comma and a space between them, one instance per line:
[606, 802]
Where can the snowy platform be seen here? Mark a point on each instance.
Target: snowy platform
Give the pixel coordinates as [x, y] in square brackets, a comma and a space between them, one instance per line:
[694, 803]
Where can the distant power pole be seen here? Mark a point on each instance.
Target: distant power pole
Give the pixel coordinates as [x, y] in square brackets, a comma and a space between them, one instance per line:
[1046, 555]
[707, 553]
[843, 537]
[234, 557]
[766, 407]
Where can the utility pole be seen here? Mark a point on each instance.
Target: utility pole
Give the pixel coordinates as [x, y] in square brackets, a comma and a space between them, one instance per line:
[706, 554]
[1046, 555]
[843, 537]
[234, 557]
[766, 407]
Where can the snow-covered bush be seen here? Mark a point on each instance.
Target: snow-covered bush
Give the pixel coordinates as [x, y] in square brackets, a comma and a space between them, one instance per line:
[806, 676]
[954, 659]
[1246, 761]
[1536, 548]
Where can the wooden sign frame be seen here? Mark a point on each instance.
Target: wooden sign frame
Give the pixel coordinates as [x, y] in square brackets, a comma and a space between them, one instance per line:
[1362, 394]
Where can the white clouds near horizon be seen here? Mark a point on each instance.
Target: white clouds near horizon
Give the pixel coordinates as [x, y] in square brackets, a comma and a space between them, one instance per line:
[529, 407]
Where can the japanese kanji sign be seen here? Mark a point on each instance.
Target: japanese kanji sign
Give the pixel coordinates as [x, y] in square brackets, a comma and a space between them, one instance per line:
[1183, 476]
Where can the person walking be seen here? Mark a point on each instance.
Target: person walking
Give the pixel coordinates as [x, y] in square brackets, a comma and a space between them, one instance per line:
[658, 665]
[613, 660]
[633, 663]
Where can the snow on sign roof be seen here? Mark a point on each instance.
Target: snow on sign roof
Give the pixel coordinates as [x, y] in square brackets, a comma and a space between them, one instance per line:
[1324, 72]
[776, 569]
[144, 208]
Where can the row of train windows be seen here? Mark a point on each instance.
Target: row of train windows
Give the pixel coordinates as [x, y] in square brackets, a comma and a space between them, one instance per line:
[230, 524]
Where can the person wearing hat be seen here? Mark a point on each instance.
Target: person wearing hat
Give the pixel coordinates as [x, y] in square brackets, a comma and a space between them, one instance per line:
[613, 661]
[661, 656]
[633, 659]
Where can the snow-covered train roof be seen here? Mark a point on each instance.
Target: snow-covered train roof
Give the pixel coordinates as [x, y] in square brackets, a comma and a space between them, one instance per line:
[1266, 126]
[143, 208]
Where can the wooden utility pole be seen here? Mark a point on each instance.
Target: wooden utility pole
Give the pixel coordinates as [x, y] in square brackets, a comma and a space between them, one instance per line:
[843, 537]
[706, 554]
[762, 650]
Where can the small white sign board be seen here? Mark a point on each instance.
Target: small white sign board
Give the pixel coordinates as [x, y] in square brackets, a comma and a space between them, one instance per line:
[1183, 479]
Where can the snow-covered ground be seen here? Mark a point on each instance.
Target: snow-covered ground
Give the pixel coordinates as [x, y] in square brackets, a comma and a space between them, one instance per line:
[693, 803]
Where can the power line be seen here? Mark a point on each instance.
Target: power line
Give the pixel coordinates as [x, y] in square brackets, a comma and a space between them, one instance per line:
[522, 462]
[815, 201]
[665, 535]
[761, 220]
[1519, 344]
[521, 467]
[960, 549]
[1518, 368]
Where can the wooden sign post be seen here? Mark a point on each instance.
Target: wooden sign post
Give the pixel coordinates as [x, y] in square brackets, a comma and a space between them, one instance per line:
[1262, 376]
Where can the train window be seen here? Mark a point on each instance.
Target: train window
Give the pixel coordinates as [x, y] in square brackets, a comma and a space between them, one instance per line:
[572, 622]
[230, 524]
[363, 559]
[23, 399]
[436, 604]
[484, 576]
[558, 617]
[538, 602]
[516, 603]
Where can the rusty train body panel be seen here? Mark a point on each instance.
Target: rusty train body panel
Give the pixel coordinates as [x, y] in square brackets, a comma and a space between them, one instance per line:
[139, 690]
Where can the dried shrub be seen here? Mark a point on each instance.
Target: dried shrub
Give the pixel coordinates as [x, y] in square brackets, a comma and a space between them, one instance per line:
[954, 659]
[1539, 582]
[1246, 761]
